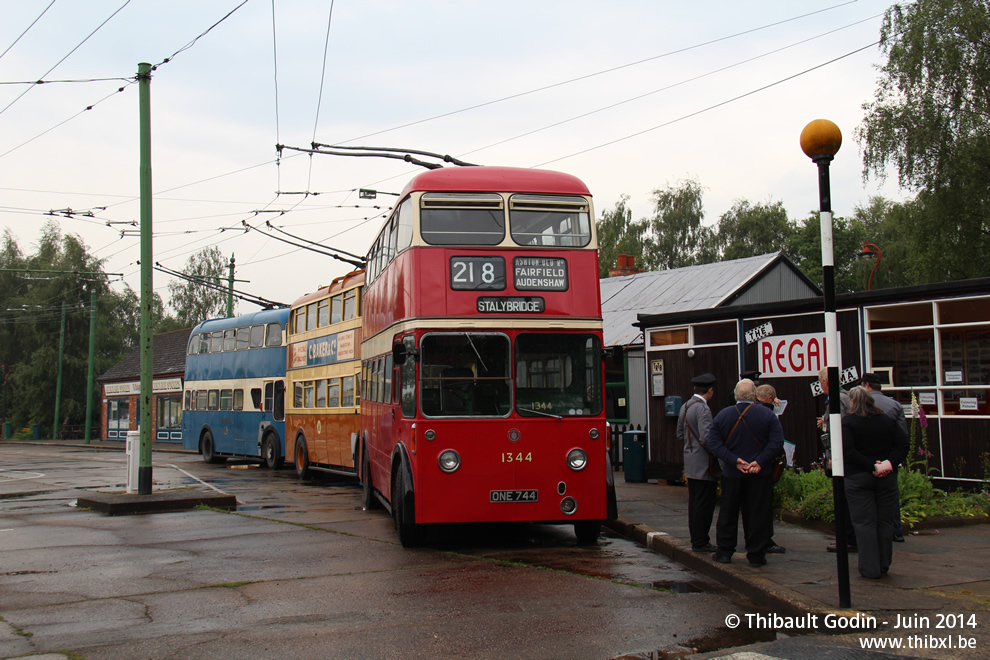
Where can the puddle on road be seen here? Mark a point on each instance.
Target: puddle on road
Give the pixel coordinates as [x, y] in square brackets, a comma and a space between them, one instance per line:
[259, 507]
[687, 587]
[726, 638]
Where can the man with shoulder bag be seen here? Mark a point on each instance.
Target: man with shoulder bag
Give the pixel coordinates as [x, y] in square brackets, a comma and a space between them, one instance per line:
[701, 468]
[747, 438]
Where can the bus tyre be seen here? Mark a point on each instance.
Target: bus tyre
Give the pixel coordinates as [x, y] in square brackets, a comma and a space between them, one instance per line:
[302, 458]
[270, 453]
[410, 534]
[587, 531]
[206, 448]
[368, 499]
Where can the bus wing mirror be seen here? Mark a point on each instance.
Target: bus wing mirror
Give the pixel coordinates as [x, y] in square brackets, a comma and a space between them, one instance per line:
[400, 353]
[613, 353]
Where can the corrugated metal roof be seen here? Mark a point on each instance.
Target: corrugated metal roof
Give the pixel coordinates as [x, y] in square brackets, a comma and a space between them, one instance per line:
[677, 290]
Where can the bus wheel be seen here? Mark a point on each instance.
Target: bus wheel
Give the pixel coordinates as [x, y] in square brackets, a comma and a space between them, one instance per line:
[302, 458]
[368, 499]
[587, 531]
[206, 448]
[410, 534]
[270, 452]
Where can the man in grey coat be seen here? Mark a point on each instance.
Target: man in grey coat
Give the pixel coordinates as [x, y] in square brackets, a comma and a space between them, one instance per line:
[693, 424]
[895, 411]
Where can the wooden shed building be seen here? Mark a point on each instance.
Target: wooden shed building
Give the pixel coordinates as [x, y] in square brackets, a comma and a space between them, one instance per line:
[931, 343]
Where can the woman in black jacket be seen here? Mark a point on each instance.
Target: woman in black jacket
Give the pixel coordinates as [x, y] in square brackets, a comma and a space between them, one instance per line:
[872, 445]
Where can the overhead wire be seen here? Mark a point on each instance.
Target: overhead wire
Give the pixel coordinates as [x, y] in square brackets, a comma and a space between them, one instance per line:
[43, 12]
[319, 99]
[200, 36]
[709, 108]
[602, 72]
[278, 137]
[67, 55]
[673, 85]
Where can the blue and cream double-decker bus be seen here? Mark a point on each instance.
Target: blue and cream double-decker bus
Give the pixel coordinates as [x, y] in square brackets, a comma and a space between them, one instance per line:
[234, 399]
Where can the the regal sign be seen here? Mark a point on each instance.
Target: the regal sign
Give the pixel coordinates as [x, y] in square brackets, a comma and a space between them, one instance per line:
[791, 356]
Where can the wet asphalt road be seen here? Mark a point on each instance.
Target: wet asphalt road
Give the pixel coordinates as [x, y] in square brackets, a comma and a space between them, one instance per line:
[302, 571]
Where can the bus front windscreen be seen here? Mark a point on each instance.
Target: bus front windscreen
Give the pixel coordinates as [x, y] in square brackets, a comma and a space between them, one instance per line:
[558, 375]
[465, 375]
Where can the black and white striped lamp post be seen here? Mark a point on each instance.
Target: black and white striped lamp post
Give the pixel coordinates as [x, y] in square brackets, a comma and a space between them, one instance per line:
[820, 141]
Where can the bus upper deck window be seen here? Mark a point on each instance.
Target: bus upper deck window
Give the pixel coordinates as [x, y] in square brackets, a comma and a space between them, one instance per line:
[542, 220]
[243, 338]
[274, 335]
[404, 238]
[350, 304]
[336, 313]
[462, 219]
[216, 342]
[257, 336]
[322, 314]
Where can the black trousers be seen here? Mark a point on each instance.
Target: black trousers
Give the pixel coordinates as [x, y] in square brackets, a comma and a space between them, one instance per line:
[752, 496]
[871, 502]
[701, 509]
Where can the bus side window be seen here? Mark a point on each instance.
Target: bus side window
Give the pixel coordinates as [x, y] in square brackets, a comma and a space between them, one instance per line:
[216, 342]
[204, 343]
[269, 396]
[322, 314]
[256, 397]
[243, 338]
[214, 398]
[350, 304]
[238, 399]
[409, 379]
[278, 409]
[229, 341]
[389, 393]
[273, 337]
[257, 336]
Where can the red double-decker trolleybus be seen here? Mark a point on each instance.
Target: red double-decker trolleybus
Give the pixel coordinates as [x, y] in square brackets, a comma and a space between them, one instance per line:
[482, 355]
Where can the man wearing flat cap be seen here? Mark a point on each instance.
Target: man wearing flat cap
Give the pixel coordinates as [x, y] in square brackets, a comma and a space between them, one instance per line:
[895, 411]
[693, 424]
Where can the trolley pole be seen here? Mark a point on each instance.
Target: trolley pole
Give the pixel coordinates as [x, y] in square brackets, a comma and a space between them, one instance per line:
[90, 371]
[820, 141]
[145, 419]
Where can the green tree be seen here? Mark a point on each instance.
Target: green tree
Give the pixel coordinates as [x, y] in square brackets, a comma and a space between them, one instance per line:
[804, 248]
[61, 270]
[618, 234]
[195, 302]
[676, 234]
[749, 230]
[930, 118]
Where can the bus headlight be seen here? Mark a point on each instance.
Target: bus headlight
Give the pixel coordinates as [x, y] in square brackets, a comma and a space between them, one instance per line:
[568, 506]
[449, 460]
[576, 459]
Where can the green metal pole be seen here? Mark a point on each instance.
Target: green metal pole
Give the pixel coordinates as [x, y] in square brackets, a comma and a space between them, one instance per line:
[58, 381]
[230, 289]
[144, 400]
[92, 359]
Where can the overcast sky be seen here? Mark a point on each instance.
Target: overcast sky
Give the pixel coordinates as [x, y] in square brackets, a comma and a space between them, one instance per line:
[627, 95]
